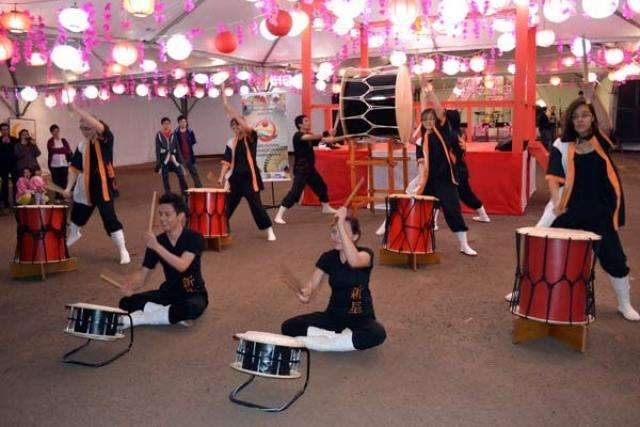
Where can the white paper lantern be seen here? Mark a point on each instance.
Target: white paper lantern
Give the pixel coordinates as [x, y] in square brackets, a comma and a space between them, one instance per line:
[614, 56]
[124, 53]
[149, 66]
[477, 64]
[74, 19]
[545, 38]
[50, 101]
[178, 73]
[599, 9]
[139, 8]
[67, 95]
[416, 69]
[118, 88]
[179, 47]
[576, 47]
[325, 68]
[336, 88]
[317, 25]
[162, 91]
[180, 90]
[346, 9]
[264, 31]
[296, 81]
[503, 25]
[592, 77]
[321, 85]
[104, 94]
[37, 59]
[228, 92]
[397, 58]
[463, 67]
[243, 75]
[568, 61]
[557, 11]
[116, 69]
[402, 13]
[142, 90]
[490, 7]
[634, 5]
[66, 57]
[84, 67]
[489, 82]
[200, 78]
[540, 103]
[631, 69]
[377, 40]
[428, 65]
[198, 93]
[451, 66]
[457, 91]
[342, 26]
[244, 90]
[453, 11]
[300, 21]
[29, 94]
[219, 77]
[90, 92]
[213, 92]
[506, 42]
[511, 68]
[555, 80]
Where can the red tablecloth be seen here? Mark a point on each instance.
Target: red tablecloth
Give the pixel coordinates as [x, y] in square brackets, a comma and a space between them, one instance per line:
[332, 165]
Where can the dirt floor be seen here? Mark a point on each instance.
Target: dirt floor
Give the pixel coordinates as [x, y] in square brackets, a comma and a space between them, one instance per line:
[448, 358]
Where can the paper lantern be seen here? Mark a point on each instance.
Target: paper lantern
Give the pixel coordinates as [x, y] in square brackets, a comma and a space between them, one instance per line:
[599, 9]
[139, 8]
[66, 57]
[555, 80]
[477, 64]
[29, 94]
[118, 88]
[451, 66]
[228, 92]
[397, 58]
[90, 92]
[264, 32]
[226, 42]
[178, 73]
[74, 19]
[428, 65]
[219, 77]
[506, 42]
[317, 24]
[336, 88]
[37, 59]
[116, 69]
[540, 103]
[50, 101]
[321, 85]
[634, 5]
[162, 91]
[142, 90]
[453, 11]
[149, 66]
[346, 9]
[243, 75]
[416, 69]
[568, 61]
[403, 13]
[180, 90]
[198, 93]
[489, 82]
[325, 68]
[104, 94]
[213, 92]
[342, 26]
[576, 47]
[124, 53]
[300, 22]
[557, 11]
[200, 78]
[592, 77]
[296, 81]
[15, 21]
[83, 68]
[545, 38]
[511, 68]
[503, 25]
[613, 56]
[281, 24]
[67, 95]
[179, 47]
[377, 40]
[6, 48]
[244, 90]
[457, 91]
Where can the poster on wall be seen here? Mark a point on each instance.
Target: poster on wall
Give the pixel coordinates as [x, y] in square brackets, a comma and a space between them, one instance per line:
[265, 112]
[16, 125]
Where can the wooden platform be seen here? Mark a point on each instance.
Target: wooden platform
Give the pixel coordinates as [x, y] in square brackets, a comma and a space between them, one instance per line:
[413, 260]
[217, 243]
[575, 336]
[22, 270]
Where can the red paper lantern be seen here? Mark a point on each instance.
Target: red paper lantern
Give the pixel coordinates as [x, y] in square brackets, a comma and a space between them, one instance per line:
[281, 24]
[226, 42]
[6, 48]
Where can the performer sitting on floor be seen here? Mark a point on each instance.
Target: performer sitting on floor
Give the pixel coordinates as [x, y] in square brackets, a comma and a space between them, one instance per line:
[240, 173]
[304, 169]
[91, 177]
[349, 322]
[435, 166]
[183, 295]
[591, 197]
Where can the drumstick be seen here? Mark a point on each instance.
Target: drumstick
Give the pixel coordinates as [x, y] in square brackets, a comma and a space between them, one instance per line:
[353, 193]
[110, 281]
[152, 214]
[290, 279]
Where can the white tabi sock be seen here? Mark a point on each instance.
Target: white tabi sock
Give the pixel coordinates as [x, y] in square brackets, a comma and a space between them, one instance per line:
[622, 287]
[279, 216]
[340, 342]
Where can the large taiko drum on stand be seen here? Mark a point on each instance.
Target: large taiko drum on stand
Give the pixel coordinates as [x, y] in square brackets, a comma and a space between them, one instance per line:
[42, 231]
[377, 102]
[208, 211]
[409, 227]
[554, 275]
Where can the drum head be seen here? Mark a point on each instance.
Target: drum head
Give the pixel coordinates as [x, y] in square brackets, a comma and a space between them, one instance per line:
[404, 104]
[238, 367]
[412, 196]
[558, 233]
[269, 338]
[207, 190]
[97, 307]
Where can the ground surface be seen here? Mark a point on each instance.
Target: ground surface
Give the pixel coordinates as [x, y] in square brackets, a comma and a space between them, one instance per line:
[448, 359]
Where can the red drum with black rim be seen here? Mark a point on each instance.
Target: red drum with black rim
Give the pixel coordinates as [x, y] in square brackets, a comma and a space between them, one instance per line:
[208, 211]
[42, 231]
[410, 224]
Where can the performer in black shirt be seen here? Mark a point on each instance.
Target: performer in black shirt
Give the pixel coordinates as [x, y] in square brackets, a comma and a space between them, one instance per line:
[349, 322]
[183, 295]
[240, 173]
[304, 169]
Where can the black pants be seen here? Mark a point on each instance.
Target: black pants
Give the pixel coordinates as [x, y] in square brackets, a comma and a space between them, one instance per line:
[181, 308]
[447, 194]
[313, 180]
[59, 176]
[608, 250]
[80, 214]
[242, 187]
[171, 167]
[193, 171]
[367, 332]
[4, 175]
[467, 196]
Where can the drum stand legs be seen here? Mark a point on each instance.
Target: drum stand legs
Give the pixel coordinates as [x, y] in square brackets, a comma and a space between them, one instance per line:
[412, 260]
[233, 396]
[575, 336]
[218, 243]
[66, 357]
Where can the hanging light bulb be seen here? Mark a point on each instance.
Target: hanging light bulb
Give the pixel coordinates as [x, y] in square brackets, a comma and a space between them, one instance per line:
[50, 101]
[162, 91]
[592, 77]
[477, 64]
[599, 9]
[568, 61]
[613, 56]
[149, 66]
[321, 85]
[557, 11]
[118, 88]
[451, 66]
[90, 92]
[139, 8]
[37, 59]
[243, 75]
[545, 38]
[124, 53]
[66, 57]
[453, 11]
[104, 94]
[576, 47]
[213, 92]
[264, 31]
[180, 90]
[179, 47]
[15, 21]
[67, 95]
[228, 92]
[29, 94]
[142, 90]
[74, 19]
[506, 42]
[397, 58]
[116, 69]
[555, 81]
[428, 65]
[200, 78]
[300, 22]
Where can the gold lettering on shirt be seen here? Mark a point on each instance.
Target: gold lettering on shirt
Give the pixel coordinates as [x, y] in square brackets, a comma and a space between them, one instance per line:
[189, 284]
[356, 301]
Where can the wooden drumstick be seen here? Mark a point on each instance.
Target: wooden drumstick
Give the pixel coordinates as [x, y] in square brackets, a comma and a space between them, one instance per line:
[290, 279]
[152, 213]
[110, 281]
[353, 193]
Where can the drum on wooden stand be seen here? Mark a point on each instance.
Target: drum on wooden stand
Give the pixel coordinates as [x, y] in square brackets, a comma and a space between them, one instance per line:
[410, 224]
[272, 356]
[41, 232]
[95, 322]
[208, 211]
[554, 276]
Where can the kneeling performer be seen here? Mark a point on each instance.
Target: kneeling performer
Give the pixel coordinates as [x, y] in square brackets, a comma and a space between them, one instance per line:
[183, 295]
[349, 322]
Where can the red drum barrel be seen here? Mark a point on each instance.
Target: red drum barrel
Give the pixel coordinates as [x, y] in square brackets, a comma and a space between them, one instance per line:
[208, 211]
[554, 278]
[409, 226]
[42, 231]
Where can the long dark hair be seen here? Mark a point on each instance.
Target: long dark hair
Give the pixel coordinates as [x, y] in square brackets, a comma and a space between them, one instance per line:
[569, 133]
[29, 139]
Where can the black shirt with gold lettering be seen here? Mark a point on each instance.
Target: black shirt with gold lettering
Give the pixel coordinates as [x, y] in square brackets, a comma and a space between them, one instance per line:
[188, 282]
[350, 294]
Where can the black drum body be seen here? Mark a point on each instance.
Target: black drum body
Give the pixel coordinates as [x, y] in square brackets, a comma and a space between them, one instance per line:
[95, 322]
[268, 359]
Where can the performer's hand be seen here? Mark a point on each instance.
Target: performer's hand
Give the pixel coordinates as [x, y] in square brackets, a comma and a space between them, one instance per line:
[128, 286]
[221, 182]
[304, 295]
[67, 194]
[341, 214]
[150, 240]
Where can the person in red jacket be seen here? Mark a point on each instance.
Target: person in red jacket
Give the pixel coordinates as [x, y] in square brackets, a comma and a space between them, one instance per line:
[59, 156]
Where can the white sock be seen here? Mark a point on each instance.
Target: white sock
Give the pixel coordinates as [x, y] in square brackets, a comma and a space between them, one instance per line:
[326, 208]
[312, 331]
[341, 342]
[435, 220]
[482, 215]
[622, 288]
[279, 216]
[137, 317]
[271, 236]
[118, 238]
[151, 306]
[464, 245]
[383, 227]
[74, 234]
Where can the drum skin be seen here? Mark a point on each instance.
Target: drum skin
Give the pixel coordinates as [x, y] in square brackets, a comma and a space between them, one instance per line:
[41, 234]
[409, 227]
[208, 212]
[554, 284]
